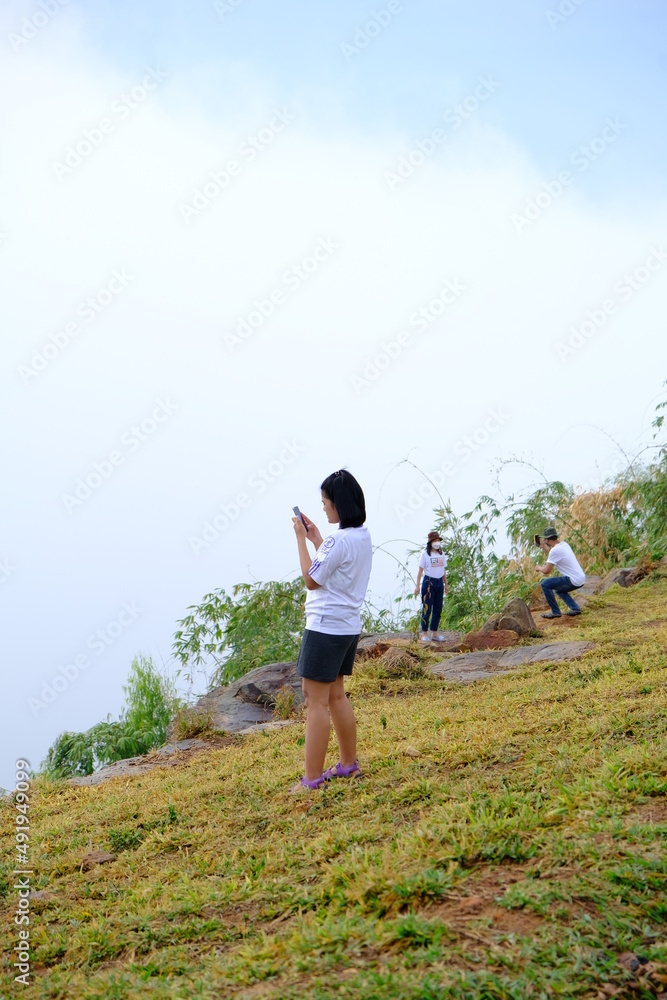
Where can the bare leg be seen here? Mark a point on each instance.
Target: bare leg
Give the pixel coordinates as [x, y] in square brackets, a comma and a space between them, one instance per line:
[345, 726]
[318, 727]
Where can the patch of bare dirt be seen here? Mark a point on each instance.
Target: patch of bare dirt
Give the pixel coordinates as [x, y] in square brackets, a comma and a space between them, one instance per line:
[654, 811]
[480, 917]
[466, 915]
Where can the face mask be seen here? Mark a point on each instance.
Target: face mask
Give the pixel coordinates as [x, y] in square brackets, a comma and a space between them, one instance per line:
[437, 546]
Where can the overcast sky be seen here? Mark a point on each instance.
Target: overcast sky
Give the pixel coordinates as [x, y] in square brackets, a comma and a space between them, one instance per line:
[244, 244]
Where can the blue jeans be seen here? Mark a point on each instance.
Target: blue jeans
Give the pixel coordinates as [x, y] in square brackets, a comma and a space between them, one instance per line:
[561, 585]
[432, 594]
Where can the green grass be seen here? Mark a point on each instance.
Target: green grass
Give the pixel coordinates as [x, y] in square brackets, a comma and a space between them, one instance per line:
[518, 856]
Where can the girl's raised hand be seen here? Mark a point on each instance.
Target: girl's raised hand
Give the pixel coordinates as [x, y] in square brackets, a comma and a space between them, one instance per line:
[299, 529]
[312, 532]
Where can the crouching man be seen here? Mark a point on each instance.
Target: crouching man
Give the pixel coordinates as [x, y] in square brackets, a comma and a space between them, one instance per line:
[560, 555]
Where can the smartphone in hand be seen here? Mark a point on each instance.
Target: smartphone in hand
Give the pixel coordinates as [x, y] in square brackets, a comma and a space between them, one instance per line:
[298, 513]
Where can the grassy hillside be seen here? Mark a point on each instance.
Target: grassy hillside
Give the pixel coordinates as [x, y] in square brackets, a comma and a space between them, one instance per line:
[520, 854]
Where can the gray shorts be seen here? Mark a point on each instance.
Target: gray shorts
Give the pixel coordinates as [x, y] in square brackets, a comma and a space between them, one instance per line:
[324, 657]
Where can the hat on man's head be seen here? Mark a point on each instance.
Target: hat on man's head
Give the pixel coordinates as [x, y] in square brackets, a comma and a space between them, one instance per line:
[550, 532]
[433, 536]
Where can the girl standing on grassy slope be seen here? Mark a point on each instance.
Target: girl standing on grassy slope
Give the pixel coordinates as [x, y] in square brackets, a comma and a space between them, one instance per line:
[336, 581]
[433, 564]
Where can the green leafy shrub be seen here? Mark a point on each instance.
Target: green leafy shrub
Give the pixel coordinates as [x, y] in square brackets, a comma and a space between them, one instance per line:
[259, 623]
[150, 700]
[142, 725]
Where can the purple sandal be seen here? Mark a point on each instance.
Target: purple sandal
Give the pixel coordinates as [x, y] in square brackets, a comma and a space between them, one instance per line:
[305, 783]
[338, 771]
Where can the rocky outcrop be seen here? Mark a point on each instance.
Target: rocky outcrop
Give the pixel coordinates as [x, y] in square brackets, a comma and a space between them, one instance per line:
[249, 700]
[623, 576]
[590, 587]
[484, 664]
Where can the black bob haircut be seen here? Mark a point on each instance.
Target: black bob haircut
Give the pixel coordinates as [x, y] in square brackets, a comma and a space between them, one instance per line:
[347, 496]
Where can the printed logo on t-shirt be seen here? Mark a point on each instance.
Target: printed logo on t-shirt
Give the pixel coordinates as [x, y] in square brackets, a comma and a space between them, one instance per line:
[438, 561]
[321, 553]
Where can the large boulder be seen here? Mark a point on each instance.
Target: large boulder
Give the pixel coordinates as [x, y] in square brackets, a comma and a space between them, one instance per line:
[249, 700]
[514, 617]
[517, 617]
[261, 685]
[509, 622]
[491, 624]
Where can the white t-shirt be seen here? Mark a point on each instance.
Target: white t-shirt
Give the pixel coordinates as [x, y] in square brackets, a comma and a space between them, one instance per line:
[342, 567]
[563, 558]
[433, 564]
